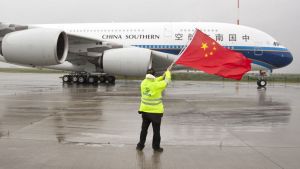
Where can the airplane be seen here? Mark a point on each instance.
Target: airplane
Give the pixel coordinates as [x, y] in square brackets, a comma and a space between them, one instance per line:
[98, 52]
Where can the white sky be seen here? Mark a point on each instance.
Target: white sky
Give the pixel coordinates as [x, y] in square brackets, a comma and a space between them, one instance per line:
[276, 17]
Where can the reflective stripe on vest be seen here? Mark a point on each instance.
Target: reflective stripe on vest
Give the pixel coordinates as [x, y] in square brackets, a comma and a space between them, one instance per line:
[151, 102]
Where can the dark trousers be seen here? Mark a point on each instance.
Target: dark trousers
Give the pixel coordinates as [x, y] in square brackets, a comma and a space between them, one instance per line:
[155, 119]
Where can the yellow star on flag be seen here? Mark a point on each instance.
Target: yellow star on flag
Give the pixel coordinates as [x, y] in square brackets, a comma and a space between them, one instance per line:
[204, 46]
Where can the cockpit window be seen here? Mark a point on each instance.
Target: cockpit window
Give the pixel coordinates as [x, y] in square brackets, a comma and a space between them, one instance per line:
[276, 44]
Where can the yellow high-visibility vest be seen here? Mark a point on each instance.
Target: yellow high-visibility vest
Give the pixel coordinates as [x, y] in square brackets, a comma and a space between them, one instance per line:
[151, 91]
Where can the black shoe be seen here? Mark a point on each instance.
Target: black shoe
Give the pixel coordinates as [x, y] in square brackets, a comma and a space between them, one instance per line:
[159, 150]
[140, 148]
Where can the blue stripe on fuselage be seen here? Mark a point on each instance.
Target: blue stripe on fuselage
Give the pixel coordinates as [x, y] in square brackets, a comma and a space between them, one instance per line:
[269, 57]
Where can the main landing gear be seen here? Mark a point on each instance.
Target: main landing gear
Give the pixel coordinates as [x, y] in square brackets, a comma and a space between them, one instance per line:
[85, 78]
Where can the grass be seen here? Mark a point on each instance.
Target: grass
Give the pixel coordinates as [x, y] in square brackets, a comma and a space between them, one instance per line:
[29, 70]
[291, 78]
[193, 76]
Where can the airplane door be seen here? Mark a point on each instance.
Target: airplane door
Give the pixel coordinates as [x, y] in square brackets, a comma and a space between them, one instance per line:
[168, 30]
[258, 51]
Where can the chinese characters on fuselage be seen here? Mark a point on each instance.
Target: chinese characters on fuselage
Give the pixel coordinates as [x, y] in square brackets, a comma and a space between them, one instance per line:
[217, 37]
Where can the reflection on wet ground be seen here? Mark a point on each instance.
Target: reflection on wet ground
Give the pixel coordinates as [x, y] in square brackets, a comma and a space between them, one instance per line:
[203, 122]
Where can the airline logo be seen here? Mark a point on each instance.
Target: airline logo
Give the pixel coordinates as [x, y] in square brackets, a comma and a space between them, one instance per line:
[132, 36]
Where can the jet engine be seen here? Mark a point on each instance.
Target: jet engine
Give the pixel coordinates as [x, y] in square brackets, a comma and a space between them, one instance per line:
[35, 47]
[126, 61]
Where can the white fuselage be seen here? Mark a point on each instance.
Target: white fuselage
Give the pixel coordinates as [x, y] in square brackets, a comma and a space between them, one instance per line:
[172, 38]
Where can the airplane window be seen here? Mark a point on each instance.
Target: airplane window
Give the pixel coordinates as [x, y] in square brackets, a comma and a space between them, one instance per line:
[276, 44]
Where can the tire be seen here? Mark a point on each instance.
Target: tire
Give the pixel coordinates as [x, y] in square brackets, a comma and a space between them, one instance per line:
[102, 79]
[66, 79]
[81, 79]
[92, 79]
[111, 79]
[262, 83]
[74, 79]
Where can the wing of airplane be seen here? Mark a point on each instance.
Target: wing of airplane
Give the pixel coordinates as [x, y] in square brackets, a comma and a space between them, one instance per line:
[85, 49]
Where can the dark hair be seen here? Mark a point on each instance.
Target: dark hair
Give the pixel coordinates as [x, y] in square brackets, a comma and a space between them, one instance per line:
[151, 71]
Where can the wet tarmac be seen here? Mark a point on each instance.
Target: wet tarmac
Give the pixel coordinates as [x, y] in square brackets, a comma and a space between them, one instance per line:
[209, 125]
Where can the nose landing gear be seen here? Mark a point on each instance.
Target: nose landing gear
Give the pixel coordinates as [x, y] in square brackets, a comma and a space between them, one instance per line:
[261, 81]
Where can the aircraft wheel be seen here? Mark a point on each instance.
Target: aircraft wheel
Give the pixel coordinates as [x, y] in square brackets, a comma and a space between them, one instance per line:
[74, 79]
[102, 79]
[66, 79]
[262, 83]
[111, 79]
[81, 79]
[92, 79]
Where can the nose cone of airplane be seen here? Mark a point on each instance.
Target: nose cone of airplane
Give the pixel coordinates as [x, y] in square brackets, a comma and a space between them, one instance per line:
[288, 58]
[283, 58]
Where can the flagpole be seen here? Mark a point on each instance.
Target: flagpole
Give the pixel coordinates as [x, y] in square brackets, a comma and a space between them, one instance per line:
[182, 50]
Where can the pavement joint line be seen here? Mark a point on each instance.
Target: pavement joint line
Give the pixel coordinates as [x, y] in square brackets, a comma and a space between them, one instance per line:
[133, 144]
[247, 145]
[30, 124]
[254, 149]
[53, 101]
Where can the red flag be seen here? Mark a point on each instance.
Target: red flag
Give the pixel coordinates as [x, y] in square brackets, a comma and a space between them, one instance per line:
[204, 53]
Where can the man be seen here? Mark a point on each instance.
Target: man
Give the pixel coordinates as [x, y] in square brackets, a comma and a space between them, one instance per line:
[152, 108]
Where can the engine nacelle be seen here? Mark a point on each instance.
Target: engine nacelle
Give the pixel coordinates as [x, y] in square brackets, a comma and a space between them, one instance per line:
[127, 61]
[36, 47]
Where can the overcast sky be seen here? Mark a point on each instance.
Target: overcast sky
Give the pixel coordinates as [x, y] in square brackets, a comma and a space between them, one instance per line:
[279, 18]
